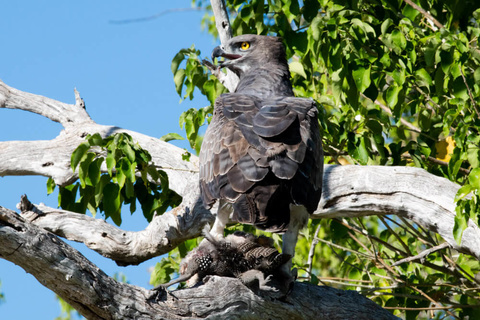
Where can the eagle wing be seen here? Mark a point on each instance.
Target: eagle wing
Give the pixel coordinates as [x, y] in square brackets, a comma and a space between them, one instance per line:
[262, 155]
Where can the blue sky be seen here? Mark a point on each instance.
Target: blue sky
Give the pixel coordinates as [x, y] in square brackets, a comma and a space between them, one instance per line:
[123, 73]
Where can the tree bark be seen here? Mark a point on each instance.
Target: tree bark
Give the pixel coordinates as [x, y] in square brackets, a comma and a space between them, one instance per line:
[30, 239]
[97, 296]
[348, 191]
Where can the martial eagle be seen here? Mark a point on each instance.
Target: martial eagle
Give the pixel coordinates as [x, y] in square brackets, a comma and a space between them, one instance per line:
[261, 155]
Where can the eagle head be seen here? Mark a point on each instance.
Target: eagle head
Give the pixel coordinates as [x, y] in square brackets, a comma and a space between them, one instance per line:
[250, 52]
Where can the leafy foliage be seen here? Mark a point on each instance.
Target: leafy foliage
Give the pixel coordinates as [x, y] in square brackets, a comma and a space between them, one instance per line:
[398, 82]
[130, 177]
[67, 311]
[194, 76]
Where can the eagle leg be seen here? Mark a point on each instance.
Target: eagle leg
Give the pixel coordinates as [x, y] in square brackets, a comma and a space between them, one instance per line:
[298, 220]
[223, 216]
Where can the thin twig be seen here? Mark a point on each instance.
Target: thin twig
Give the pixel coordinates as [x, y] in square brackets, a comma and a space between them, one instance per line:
[436, 161]
[457, 267]
[359, 220]
[403, 295]
[426, 95]
[469, 92]
[365, 233]
[405, 247]
[347, 284]
[311, 253]
[153, 17]
[176, 169]
[345, 248]
[425, 14]
[431, 308]
[422, 254]
[389, 268]
[345, 279]
[389, 112]
[410, 229]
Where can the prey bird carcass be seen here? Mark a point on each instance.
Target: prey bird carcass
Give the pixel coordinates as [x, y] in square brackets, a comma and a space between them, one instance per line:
[261, 156]
[236, 255]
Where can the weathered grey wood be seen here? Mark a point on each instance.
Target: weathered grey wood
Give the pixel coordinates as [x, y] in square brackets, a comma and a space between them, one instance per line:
[164, 233]
[97, 296]
[229, 79]
[412, 193]
[349, 191]
[52, 158]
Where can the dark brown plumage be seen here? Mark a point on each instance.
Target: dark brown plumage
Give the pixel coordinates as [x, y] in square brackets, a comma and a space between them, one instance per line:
[262, 150]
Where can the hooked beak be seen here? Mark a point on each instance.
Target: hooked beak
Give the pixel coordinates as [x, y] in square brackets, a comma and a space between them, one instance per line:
[219, 52]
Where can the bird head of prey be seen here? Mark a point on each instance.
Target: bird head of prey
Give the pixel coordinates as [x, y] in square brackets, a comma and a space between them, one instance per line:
[250, 52]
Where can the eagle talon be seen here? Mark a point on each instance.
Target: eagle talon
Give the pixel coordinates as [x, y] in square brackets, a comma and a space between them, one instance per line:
[157, 294]
[214, 69]
[209, 65]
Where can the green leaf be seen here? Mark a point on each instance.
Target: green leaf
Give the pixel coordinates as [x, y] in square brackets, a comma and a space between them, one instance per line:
[122, 166]
[110, 160]
[423, 147]
[474, 178]
[461, 222]
[179, 78]
[130, 193]
[399, 40]
[362, 78]
[179, 57]
[94, 171]
[78, 154]
[186, 156]
[460, 89]
[423, 78]
[50, 185]
[162, 272]
[95, 140]
[361, 152]
[385, 25]
[424, 119]
[473, 157]
[83, 169]
[104, 180]
[392, 95]
[463, 192]
[399, 76]
[210, 90]
[112, 203]
[297, 67]
[310, 9]
[128, 151]
[375, 126]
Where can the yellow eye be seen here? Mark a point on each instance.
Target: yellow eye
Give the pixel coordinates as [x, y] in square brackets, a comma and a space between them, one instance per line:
[245, 45]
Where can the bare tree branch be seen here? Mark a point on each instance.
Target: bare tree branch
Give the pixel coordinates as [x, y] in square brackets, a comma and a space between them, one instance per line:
[348, 191]
[97, 296]
[425, 14]
[162, 234]
[422, 254]
[412, 193]
[230, 79]
[221, 20]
